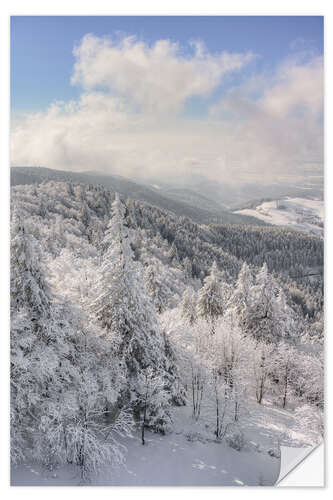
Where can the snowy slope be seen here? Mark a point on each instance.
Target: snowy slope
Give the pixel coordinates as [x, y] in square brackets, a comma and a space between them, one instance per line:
[181, 460]
[167, 461]
[298, 213]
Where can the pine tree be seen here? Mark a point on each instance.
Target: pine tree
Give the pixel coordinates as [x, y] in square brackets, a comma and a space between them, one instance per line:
[188, 305]
[123, 309]
[210, 302]
[188, 268]
[155, 287]
[259, 320]
[154, 402]
[285, 320]
[36, 346]
[28, 284]
[267, 317]
[241, 296]
[173, 255]
[171, 376]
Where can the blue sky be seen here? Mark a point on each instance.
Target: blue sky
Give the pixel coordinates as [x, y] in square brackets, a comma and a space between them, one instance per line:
[42, 59]
[236, 99]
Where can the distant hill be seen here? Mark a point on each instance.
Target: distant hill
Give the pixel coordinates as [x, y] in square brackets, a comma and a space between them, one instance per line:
[193, 198]
[181, 202]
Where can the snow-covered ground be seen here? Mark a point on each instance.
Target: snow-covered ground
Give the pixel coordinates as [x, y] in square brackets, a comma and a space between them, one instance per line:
[302, 214]
[189, 456]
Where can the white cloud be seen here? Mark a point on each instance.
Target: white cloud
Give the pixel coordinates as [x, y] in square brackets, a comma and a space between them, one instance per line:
[157, 78]
[281, 131]
[298, 88]
[264, 130]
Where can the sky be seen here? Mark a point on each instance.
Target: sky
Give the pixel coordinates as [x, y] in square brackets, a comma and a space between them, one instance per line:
[236, 99]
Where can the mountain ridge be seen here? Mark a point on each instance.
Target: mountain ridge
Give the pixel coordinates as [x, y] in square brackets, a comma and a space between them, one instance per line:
[134, 190]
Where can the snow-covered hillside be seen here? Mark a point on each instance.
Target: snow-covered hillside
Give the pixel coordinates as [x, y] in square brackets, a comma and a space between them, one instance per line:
[298, 213]
[147, 349]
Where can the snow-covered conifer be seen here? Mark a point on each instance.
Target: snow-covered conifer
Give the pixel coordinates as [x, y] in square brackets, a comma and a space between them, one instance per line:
[173, 254]
[36, 341]
[122, 306]
[188, 268]
[189, 305]
[155, 287]
[262, 316]
[210, 302]
[153, 400]
[240, 298]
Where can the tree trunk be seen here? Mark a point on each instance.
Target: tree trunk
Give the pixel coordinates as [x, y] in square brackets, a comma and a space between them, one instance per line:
[261, 391]
[217, 418]
[236, 411]
[144, 419]
[285, 391]
[143, 432]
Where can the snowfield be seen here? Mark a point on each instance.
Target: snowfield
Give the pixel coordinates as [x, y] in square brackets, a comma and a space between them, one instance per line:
[298, 213]
[189, 456]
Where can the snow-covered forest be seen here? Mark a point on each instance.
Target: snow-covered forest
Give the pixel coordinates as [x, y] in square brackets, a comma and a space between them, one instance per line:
[137, 333]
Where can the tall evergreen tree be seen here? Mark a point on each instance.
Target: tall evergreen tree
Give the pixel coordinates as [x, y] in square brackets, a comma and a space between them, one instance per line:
[37, 345]
[123, 309]
[210, 302]
[240, 298]
[267, 317]
[188, 304]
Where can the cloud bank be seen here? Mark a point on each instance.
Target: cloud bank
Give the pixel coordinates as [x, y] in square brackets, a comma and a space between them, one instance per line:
[129, 118]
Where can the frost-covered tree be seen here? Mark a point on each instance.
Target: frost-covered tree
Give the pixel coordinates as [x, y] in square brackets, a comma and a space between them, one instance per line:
[153, 400]
[172, 377]
[155, 287]
[198, 347]
[188, 305]
[85, 215]
[29, 287]
[286, 326]
[73, 276]
[33, 349]
[283, 371]
[240, 299]
[188, 268]
[59, 381]
[262, 366]
[93, 427]
[122, 306]
[210, 303]
[267, 316]
[309, 376]
[259, 320]
[173, 254]
[228, 352]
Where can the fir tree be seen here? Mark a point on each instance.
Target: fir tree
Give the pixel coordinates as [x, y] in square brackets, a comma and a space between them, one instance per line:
[36, 344]
[173, 255]
[188, 305]
[210, 303]
[267, 317]
[123, 309]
